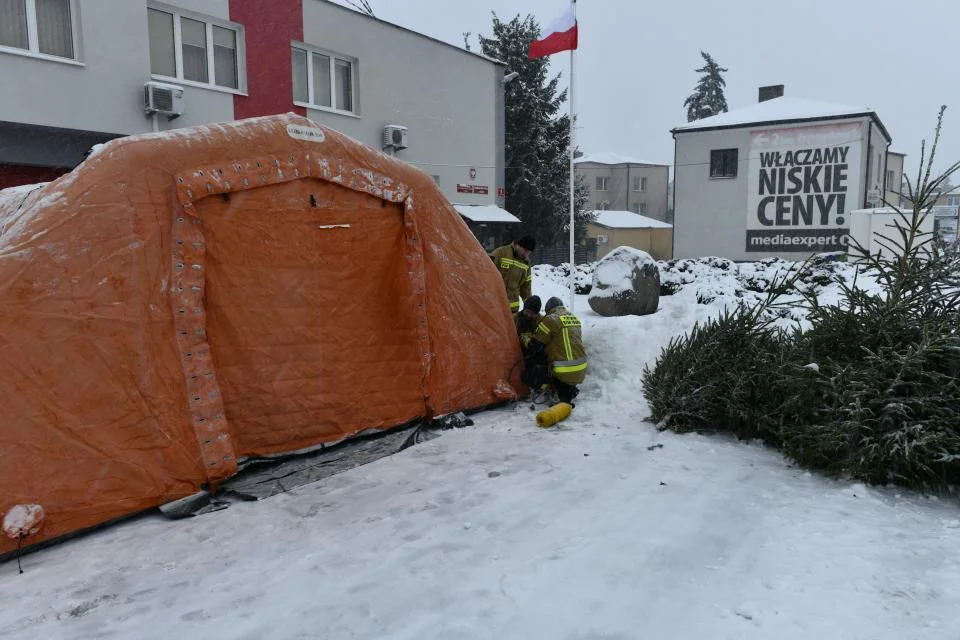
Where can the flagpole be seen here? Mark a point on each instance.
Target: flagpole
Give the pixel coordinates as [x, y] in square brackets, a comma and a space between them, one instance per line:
[573, 115]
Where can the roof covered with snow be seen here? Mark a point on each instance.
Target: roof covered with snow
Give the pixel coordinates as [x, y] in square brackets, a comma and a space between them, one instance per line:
[782, 109]
[485, 213]
[628, 220]
[607, 157]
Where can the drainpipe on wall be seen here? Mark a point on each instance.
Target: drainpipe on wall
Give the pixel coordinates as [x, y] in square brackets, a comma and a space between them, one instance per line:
[628, 187]
[673, 221]
[886, 170]
[866, 177]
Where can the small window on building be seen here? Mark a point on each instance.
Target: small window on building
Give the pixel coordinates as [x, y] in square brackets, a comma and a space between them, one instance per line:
[225, 57]
[639, 207]
[300, 73]
[602, 183]
[436, 179]
[193, 43]
[890, 179]
[323, 80]
[38, 26]
[201, 50]
[723, 163]
[640, 184]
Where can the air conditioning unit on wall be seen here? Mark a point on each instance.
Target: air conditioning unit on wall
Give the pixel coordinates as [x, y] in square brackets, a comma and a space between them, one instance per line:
[165, 99]
[394, 137]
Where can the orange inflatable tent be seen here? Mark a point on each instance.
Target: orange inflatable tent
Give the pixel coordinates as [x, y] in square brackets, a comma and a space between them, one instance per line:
[186, 299]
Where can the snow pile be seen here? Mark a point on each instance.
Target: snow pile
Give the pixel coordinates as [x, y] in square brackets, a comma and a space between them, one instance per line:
[23, 520]
[602, 527]
[560, 274]
[723, 283]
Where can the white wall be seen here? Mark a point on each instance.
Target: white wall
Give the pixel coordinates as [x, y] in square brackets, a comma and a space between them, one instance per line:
[711, 215]
[446, 97]
[104, 91]
[877, 167]
[868, 225]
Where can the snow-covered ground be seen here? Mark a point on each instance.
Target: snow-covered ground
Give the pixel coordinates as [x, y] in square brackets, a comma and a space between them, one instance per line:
[599, 528]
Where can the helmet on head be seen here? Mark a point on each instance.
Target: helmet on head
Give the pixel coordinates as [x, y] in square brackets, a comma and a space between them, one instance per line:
[532, 304]
[527, 242]
[552, 304]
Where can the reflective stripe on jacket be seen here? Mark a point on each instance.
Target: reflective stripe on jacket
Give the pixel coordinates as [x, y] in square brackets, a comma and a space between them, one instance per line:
[560, 331]
[516, 274]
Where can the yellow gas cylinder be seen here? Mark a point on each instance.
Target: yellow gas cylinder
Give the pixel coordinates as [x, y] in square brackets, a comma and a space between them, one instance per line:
[553, 415]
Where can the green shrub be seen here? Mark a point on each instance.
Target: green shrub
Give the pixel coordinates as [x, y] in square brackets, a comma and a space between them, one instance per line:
[871, 390]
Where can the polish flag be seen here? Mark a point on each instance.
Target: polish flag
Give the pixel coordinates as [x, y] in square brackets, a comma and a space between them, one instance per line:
[559, 36]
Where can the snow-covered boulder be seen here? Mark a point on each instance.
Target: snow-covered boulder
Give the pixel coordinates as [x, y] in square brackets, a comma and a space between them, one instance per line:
[625, 282]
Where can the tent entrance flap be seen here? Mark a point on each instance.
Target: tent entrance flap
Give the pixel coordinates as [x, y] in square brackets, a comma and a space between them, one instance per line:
[309, 310]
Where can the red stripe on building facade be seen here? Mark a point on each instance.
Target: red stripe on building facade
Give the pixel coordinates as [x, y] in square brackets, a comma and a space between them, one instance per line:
[268, 31]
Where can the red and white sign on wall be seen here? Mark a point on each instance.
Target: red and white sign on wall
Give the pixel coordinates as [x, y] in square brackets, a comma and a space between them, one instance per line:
[479, 189]
[501, 192]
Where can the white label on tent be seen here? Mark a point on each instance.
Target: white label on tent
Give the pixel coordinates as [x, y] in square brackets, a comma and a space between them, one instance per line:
[310, 134]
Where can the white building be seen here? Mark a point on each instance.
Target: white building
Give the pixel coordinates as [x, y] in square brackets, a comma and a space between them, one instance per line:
[73, 73]
[776, 179]
[622, 183]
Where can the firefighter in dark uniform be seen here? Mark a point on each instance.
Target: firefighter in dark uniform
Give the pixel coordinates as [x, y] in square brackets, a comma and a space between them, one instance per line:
[558, 336]
[513, 262]
[535, 372]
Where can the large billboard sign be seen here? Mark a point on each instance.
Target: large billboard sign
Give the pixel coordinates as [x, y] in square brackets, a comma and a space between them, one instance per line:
[802, 183]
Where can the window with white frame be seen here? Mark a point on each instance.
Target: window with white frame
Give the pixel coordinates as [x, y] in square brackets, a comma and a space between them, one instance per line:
[188, 47]
[640, 184]
[603, 183]
[322, 79]
[38, 26]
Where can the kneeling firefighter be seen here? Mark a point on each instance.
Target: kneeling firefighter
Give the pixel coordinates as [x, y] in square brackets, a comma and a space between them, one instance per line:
[559, 336]
[535, 370]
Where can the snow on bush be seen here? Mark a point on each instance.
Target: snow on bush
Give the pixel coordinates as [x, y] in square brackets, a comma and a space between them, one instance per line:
[560, 274]
[864, 383]
[727, 284]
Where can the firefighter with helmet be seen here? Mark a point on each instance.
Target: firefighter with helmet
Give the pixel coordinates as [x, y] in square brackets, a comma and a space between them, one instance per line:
[513, 262]
[559, 336]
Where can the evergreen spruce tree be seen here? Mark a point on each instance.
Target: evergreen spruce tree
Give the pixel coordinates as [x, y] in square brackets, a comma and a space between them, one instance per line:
[537, 137]
[707, 99]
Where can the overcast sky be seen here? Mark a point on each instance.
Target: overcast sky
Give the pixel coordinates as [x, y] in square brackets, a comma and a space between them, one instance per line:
[636, 61]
